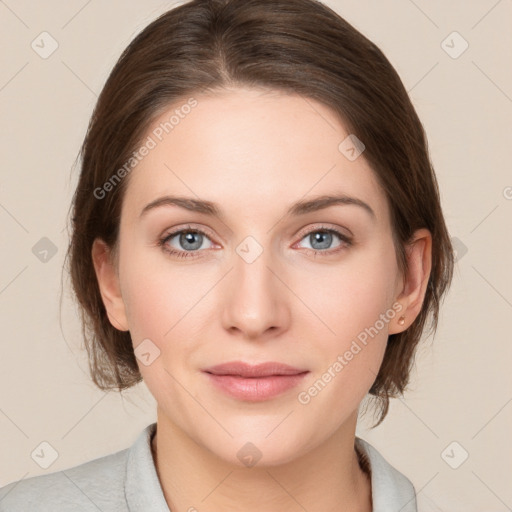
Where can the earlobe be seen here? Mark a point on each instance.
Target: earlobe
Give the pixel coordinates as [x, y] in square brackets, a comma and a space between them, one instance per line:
[108, 282]
[419, 261]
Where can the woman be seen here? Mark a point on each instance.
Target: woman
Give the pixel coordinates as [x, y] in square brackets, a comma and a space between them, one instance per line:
[257, 234]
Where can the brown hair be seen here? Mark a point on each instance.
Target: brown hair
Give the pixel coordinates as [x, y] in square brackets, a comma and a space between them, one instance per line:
[295, 46]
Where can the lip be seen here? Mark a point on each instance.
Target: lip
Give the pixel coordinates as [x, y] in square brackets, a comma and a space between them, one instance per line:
[254, 370]
[254, 382]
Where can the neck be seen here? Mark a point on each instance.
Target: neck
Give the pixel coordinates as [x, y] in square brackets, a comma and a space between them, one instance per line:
[327, 478]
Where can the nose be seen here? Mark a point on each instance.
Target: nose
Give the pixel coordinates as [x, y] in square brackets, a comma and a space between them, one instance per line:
[255, 298]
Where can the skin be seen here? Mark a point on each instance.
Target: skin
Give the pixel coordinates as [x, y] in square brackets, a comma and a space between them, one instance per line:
[254, 153]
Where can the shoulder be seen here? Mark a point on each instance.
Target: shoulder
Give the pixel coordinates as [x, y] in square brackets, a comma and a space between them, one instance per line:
[391, 490]
[94, 485]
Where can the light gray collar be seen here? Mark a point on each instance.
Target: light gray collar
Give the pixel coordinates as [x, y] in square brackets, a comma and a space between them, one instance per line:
[391, 490]
[142, 487]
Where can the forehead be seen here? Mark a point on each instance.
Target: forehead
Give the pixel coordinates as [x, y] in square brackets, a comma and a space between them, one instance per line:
[247, 148]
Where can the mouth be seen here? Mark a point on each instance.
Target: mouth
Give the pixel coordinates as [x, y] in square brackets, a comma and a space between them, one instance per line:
[241, 369]
[254, 383]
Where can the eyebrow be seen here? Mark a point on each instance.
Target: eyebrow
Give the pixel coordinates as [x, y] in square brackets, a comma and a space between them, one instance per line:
[296, 209]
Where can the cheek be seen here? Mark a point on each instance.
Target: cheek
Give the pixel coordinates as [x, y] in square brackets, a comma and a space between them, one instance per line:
[346, 299]
[158, 294]
[353, 307]
[159, 312]
[148, 309]
[166, 304]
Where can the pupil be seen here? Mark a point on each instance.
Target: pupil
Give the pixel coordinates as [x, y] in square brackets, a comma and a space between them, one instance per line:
[318, 237]
[188, 238]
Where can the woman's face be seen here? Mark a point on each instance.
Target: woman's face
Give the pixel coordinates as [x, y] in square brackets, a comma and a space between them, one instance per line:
[247, 285]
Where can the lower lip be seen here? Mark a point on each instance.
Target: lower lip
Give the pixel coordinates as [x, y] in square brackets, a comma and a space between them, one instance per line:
[255, 389]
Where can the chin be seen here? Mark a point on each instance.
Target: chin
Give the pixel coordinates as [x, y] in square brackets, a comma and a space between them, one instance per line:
[246, 451]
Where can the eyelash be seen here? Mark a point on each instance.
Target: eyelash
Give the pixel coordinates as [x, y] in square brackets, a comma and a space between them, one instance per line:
[347, 241]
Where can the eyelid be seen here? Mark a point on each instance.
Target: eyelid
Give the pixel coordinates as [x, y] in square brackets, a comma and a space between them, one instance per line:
[189, 227]
[346, 241]
[301, 233]
[324, 226]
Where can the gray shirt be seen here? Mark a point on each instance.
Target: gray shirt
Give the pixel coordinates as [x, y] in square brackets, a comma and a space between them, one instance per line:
[127, 481]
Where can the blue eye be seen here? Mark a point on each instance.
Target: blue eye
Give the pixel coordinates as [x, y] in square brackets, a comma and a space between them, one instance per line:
[324, 239]
[190, 241]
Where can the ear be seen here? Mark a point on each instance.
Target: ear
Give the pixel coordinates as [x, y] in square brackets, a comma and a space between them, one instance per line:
[414, 283]
[108, 282]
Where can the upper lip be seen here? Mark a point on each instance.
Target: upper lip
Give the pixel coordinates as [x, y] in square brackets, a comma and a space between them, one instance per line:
[254, 370]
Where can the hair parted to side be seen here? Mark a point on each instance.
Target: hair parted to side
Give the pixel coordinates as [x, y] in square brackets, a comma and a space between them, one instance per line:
[294, 46]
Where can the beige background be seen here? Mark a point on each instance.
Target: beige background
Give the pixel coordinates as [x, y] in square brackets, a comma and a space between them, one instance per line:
[462, 386]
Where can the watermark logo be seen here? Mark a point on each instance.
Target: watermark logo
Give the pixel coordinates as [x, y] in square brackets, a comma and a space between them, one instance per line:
[249, 249]
[44, 45]
[146, 352]
[351, 147]
[454, 455]
[454, 45]
[460, 249]
[44, 454]
[44, 250]
[249, 455]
